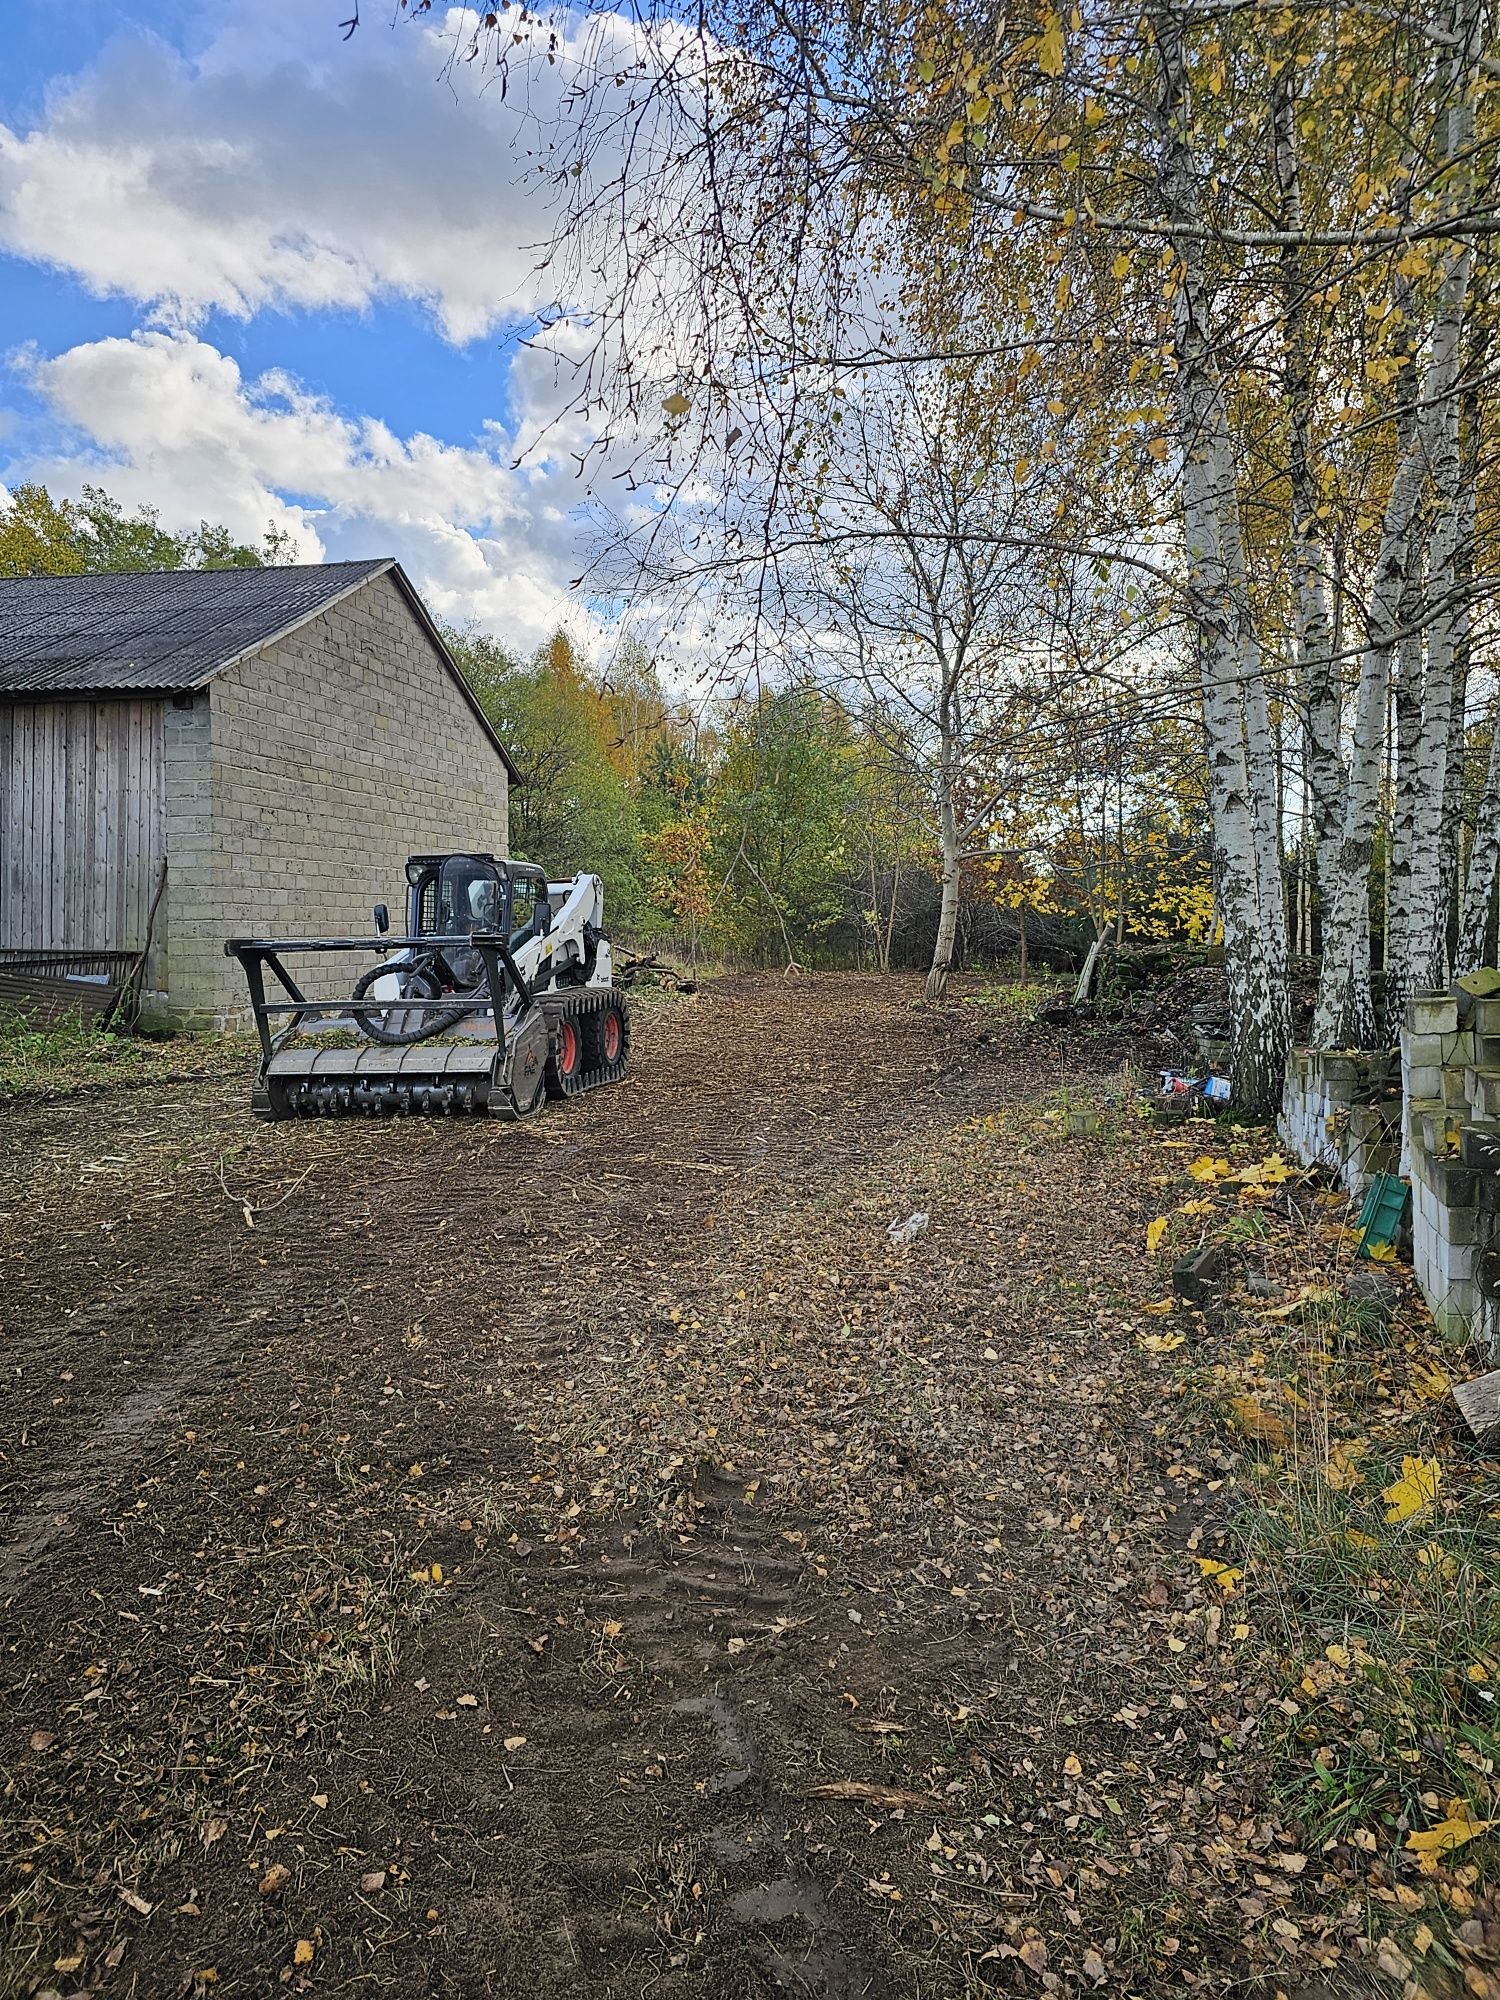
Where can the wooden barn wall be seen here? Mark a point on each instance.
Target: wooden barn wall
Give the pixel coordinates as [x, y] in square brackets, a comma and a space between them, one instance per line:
[82, 822]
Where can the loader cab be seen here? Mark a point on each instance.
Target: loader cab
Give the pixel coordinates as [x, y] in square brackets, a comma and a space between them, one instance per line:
[453, 895]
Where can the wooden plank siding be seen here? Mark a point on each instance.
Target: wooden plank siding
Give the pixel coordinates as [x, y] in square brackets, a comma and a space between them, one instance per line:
[82, 823]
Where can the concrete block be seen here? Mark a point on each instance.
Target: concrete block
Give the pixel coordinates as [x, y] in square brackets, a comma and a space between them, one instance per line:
[1432, 1014]
[1425, 1079]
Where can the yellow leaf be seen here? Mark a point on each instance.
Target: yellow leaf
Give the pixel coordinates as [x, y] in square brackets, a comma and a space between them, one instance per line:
[302, 1953]
[1342, 1471]
[1023, 466]
[1072, 1766]
[1434, 1556]
[1160, 1306]
[1050, 47]
[1157, 447]
[1431, 1384]
[1207, 1168]
[1093, 114]
[1155, 1231]
[1204, 1207]
[1121, 266]
[1160, 1343]
[1256, 1422]
[1412, 1495]
[677, 405]
[1476, 1672]
[1427, 1843]
[1225, 1575]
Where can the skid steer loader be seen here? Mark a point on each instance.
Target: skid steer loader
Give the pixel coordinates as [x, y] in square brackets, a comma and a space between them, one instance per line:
[500, 994]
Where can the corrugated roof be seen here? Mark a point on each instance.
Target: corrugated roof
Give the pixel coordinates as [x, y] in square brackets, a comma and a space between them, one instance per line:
[169, 631]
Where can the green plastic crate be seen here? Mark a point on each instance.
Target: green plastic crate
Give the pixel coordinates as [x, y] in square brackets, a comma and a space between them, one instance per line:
[1383, 1213]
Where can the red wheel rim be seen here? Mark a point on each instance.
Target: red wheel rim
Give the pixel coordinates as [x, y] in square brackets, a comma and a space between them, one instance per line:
[612, 1036]
[567, 1049]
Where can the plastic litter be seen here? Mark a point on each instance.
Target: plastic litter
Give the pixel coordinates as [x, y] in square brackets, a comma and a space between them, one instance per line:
[907, 1232]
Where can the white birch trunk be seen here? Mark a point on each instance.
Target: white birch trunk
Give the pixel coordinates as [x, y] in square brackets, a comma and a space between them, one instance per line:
[1241, 755]
[1484, 856]
[948, 841]
[1334, 1023]
[1416, 960]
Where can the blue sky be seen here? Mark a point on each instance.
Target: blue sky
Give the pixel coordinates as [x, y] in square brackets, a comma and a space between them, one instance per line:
[252, 272]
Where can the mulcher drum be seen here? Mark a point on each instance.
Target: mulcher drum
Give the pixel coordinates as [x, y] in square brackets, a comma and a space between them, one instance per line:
[471, 1078]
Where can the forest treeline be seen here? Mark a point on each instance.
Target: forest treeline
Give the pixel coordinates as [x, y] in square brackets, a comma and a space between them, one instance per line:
[777, 825]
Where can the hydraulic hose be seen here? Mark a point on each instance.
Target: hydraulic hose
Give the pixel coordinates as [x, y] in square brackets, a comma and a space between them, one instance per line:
[428, 1024]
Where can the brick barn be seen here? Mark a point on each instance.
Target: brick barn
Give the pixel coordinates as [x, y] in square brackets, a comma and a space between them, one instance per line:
[250, 751]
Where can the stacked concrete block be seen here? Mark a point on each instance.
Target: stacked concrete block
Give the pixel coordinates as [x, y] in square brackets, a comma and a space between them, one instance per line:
[1340, 1110]
[1450, 1066]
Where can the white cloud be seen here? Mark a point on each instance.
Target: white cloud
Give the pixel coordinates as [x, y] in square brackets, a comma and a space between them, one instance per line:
[173, 423]
[281, 167]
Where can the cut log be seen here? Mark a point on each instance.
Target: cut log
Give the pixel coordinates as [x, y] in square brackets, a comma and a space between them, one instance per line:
[1479, 1400]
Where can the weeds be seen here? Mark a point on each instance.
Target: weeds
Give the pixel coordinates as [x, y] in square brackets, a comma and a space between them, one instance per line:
[61, 1058]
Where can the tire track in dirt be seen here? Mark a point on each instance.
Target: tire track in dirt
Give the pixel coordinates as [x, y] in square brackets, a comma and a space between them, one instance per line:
[429, 1293]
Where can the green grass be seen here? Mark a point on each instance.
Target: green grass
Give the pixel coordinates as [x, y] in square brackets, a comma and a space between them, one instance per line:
[63, 1058]
[1009, 999]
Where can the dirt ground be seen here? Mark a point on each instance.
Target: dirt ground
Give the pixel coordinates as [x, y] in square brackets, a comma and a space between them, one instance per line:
[587, 1557]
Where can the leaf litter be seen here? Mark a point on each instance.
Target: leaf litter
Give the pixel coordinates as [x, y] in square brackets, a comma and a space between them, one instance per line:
[971, 1495]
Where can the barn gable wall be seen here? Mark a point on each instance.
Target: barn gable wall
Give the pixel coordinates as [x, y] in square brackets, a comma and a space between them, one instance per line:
[302, 779]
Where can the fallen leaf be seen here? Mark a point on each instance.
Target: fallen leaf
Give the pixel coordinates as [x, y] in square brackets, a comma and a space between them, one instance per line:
[468, 1701]
[1427, 1843]
[1155, 1231]
[1094, 1967]
[514, 1742]
[275, 1879]
[42, 1739]
[69, 1964]
[1072, 1766]
[214, 1829]
[320, 1799]
[371, 1881]
[1256, 1422]
[1208, 1168]
[303, 1951]
[1342, 1471]
[1225, 1575]
[1413, 1494]
[1034, 1954]
[137, 1903]
[1160, 1343]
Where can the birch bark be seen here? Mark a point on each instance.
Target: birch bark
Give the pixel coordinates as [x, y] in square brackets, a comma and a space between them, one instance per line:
[1241, 762]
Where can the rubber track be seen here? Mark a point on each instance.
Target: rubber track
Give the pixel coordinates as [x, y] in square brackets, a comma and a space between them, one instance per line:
[586, 1010]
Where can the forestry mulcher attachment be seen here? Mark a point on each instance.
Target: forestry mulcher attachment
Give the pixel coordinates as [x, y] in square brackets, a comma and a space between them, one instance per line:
[487, 941]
